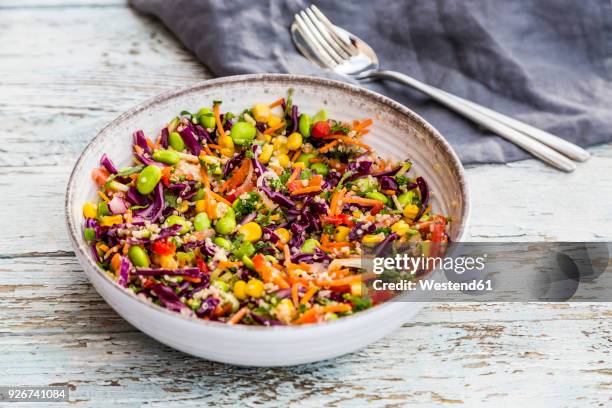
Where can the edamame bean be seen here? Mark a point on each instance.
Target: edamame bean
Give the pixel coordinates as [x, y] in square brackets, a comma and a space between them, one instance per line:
[242, 133]
[90, 234]
[405, 198]
[166, 156]
[185, 257]
[223, 243]
[375, 195]
[103, 209]
[309, 246]
[246, 261]
[177, 219]
[320, 168]
[176, 141]
[304, 124]
[226, 224]
[206, 118]
[199, 195]
[305, 158]
[366, 184]
[201, 222]
[321, 116]
[305, 174]
[148, 179]
[138, 256]
[246, 248]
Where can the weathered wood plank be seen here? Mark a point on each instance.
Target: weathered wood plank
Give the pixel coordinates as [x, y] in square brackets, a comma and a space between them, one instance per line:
[56, 329]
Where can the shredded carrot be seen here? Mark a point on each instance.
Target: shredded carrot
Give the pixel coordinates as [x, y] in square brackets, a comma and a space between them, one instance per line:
[192, 279]
[349, 140]
[364, 132]
[217, 113]
[305, 190]
[324, 239]
[336, 244]
[341, 273]
[207, 150]
[237, 317]
[328, 146]
[389, 192]
[310, 316]
[342, 307]
[363, 125]
[294, 294]
[363, 201]
[214, 146]
[277, 103]
[103, 196]
[125, 249]
[280, 282]
[335, 208]
[316, 180]
[115, 262]
[309, 294]
[295, 174]
[219, 198]
[339, 282]
[149, 143]
[296, 155]
[238, 176]
[273, 129]
[227, 264]
[316, 160]
[287, 252]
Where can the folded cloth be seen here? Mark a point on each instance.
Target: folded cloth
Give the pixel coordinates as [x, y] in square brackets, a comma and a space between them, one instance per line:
[545, 62]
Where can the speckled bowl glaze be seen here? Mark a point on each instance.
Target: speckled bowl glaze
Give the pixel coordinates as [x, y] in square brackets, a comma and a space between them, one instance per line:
[397, 132]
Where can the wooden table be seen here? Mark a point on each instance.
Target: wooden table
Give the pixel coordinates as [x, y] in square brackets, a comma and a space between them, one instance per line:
[67, 67]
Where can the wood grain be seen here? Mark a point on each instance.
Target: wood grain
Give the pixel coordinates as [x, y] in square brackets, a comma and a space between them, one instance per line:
[70, 66]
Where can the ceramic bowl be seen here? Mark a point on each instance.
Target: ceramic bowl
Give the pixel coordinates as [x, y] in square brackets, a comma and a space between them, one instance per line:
[397, 132]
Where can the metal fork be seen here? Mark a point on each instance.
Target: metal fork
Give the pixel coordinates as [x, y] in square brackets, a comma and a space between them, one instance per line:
[335, 48]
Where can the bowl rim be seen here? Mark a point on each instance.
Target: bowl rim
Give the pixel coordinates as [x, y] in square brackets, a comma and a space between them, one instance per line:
[294, 79]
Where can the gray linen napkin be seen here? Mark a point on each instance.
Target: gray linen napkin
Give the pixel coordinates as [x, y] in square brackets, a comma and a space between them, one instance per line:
[546, 62]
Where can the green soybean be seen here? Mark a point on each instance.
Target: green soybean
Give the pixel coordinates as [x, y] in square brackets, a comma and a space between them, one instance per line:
[201, 222]
[305, 158]
[246, 261]
[166, 156]
[304, 124]
[199, 195]
[90, 234]
[176, 141]
[138, 256]
[185, 257]
[320, 116]
[246, 248]
[242, 133]
[103, 209]
[375, 195]
[309, 246]
[223, 243]
[226, 224]
[320, 168]
[406, 198]
[366, 184]
[177, 219]
[148, 179]
[206, 118]
[306, 174]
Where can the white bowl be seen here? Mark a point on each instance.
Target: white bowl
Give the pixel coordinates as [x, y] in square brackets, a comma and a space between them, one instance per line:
[396, 132]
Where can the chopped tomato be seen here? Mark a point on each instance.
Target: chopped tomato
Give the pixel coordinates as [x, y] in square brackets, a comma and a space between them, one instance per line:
[320, 129]
[148, 283]
[163, 247]
[165, 180]
[342, 219]
[203, 267]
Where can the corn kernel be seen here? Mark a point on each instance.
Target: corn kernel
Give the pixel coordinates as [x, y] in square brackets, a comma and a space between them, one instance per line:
[109, 220]
[227, 152]
[254, 288]
[184, 206]
[283, 160]
[251, 231]
[283, 234]
[261, 112]
[400, 228]
[279, 142]
[266, 153]
[411, 211]
[274, 120]
[227, 146]
[200, 206]
[166, 261]
[373, 239]
[356, 289]
[239, 290]
[89, 210]
[294, 141]
[342, 233]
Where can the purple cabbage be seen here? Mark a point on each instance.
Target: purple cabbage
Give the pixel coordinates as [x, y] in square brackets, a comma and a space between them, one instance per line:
[258, 168]
[163, 140]
[294, 118]
[248, 218]
[170, 299]
[148, 162]
[317, 256]
[360, 169]
[208, 306]
[117, 205]
[204, 284]
[94, 252]
[380, 248]
[388, 183]
[141, 141]
[191, 140]
[361, 229]
[153, 211]
[124, 270]
[391, 172]
[135, 198]
[270, 235]
[108, 164]
[232, 163]
[278, 198]
[192, 272]
[298, 232]
[170, 231]
[265, 322]
[260, 126]
[203, 134]
[424, 197]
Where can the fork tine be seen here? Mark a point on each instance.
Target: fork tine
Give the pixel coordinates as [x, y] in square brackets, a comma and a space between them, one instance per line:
[340, 40]
[320, 52]
[326, 35]
[319, 38]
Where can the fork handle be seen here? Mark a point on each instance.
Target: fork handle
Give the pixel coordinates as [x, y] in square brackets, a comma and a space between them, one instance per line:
[478, 114]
